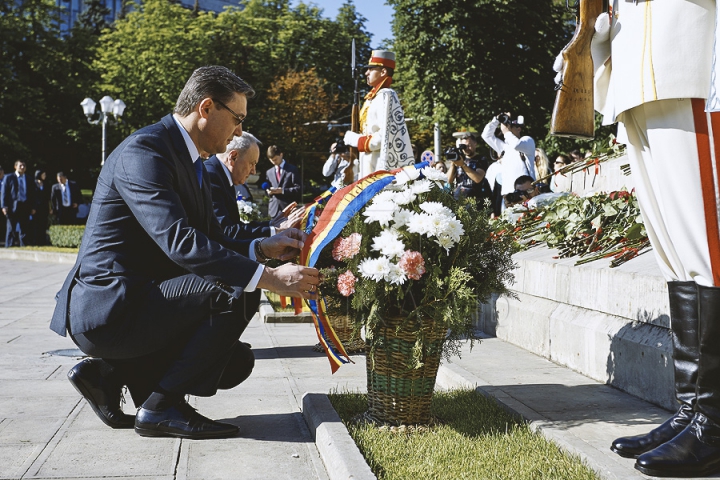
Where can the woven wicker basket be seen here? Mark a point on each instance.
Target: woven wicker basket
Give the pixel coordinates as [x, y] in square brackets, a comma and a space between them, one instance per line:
[397, 395]
[343, 326]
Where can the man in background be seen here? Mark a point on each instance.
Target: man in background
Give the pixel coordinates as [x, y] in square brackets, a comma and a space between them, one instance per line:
[65, 198]
[284, 180]
[17, 201]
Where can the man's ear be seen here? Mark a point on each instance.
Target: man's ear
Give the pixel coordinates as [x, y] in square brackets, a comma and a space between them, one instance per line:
[204, 107]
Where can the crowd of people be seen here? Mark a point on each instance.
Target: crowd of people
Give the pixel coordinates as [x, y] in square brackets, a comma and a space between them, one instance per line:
[30, 205]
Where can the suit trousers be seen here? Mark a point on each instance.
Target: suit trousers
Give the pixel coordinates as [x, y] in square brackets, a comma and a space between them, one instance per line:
[181, 337]
[20, 217]
[673, 156]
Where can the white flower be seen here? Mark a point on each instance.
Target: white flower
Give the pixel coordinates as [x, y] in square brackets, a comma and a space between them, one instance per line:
[388, 243]
[404, 197]
[374, 268]
[421, 223]
[454, 229]
[438, 177]
[406, 175]
[383, 196]
[445, 241]
[422, 186]
[436, 208]
[402, 217]
[380, 212]
[395, 275]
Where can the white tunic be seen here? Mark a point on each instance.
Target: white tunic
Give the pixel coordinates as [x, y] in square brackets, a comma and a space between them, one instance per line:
[388, 146]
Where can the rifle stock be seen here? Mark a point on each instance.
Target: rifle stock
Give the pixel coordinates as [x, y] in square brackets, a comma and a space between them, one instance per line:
[355, 127]
[574, 113]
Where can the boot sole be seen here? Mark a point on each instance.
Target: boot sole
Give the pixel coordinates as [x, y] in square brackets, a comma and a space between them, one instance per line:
[153, 432]
[79, 385]
[679, 474]
[625, 454]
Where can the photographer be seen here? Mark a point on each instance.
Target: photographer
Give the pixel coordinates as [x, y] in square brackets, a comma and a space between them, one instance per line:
[336, 164]
[519, 152]
[467, 175]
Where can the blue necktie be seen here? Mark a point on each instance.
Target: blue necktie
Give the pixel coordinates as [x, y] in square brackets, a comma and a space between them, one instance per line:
[198, 170]
[22, 192]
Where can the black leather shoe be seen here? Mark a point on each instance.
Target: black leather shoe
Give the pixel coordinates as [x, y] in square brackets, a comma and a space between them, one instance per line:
[695, 452]
[633, 447]
[101, 392]
[180, 421]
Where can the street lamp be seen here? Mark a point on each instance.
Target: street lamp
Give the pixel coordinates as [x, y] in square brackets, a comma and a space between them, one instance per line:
[107, 106]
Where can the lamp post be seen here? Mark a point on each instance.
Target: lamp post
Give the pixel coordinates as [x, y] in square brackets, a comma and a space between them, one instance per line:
[108, 106]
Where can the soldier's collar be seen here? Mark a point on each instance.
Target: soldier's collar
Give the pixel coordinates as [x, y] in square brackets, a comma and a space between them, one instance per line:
[386, 82]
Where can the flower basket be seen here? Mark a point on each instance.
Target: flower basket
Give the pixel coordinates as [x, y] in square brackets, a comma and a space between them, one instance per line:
[398, 394]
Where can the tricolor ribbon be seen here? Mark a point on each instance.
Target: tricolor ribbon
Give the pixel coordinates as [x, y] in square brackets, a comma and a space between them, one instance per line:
[340, 209]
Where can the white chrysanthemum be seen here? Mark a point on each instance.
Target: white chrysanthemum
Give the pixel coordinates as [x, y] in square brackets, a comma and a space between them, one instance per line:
[388, 243]
[402, 217]
[445, 241]
[436, 208]
[439, 224]
[374, 268]
[404, 197]
[395, 275]
[421, 186]
[385, 195]
[380, 212]
[434, 174]
[421, 223]
[406, 175]
[454, 229]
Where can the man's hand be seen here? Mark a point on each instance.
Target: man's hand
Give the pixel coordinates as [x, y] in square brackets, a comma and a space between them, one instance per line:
[291, 280]
[292, 221]
[5, 211]
[274, 191]
[351, 138]
[284, 245]
[599, 47]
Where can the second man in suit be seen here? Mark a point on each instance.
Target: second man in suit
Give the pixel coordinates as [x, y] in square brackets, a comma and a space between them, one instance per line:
[284, 180]
[65, 198]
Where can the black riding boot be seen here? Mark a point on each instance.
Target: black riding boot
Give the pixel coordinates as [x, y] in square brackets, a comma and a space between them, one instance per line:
[684, 325]
[696, 450]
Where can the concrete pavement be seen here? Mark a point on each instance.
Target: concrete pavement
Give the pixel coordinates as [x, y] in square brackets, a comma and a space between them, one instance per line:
[48, 431]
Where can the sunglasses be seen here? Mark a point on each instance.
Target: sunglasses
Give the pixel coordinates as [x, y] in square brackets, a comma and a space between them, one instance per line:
[238, 119]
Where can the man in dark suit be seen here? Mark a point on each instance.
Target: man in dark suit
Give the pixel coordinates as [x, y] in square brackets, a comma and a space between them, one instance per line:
[65, 198]
[17, 200]
[157, 291]
[284, 180]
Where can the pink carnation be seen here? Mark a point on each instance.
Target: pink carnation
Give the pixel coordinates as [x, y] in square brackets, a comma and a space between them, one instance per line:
[346, 283]
[413, 264]
[346, 248]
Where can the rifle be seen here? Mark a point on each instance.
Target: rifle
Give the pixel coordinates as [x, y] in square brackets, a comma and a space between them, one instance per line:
[574, 113]
[354, 119]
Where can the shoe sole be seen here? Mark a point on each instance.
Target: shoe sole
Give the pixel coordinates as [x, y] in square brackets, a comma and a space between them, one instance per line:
[81, 389]
[679, 474]
[625, 454]
[151, 432]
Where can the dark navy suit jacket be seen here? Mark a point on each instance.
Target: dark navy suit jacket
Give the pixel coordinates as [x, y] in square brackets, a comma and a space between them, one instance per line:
[150, 221]
[10, 192]
[290, 181]
[225, 205]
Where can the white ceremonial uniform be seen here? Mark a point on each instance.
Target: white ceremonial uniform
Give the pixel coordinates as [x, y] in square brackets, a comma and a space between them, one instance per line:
[513, 164]
[654, 78]
[387, 141]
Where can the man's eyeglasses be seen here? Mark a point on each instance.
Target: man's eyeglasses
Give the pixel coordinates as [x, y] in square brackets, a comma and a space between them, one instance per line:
[238, 119]
[560, 163]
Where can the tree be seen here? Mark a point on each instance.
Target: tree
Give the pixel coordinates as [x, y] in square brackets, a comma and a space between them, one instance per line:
[460, 63]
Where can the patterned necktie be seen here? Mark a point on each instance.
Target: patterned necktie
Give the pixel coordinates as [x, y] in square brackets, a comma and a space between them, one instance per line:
[277, 172]
[66, 195]
[198, 170]
[22, 192]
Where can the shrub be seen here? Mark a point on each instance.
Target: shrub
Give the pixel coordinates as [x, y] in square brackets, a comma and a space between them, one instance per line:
[66, 235]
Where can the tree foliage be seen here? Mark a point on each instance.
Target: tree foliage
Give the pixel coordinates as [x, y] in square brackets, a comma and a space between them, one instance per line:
[460, 63]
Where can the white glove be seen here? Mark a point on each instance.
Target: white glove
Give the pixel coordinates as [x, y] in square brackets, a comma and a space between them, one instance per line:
[599, 47]
[351, 138]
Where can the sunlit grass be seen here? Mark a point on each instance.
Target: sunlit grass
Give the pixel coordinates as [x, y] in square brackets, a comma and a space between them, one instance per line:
[48, 248]
[474, 439]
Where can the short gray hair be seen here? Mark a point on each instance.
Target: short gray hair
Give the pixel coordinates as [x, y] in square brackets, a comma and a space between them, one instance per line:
[242, 143]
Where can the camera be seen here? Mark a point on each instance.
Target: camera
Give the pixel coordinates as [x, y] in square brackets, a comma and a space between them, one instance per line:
[505, 119]
[515, 197]
[340, 147]
[453, 154]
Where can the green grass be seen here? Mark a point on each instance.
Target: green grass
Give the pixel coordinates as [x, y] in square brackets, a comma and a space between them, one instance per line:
[49, 248]
[474, 439]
